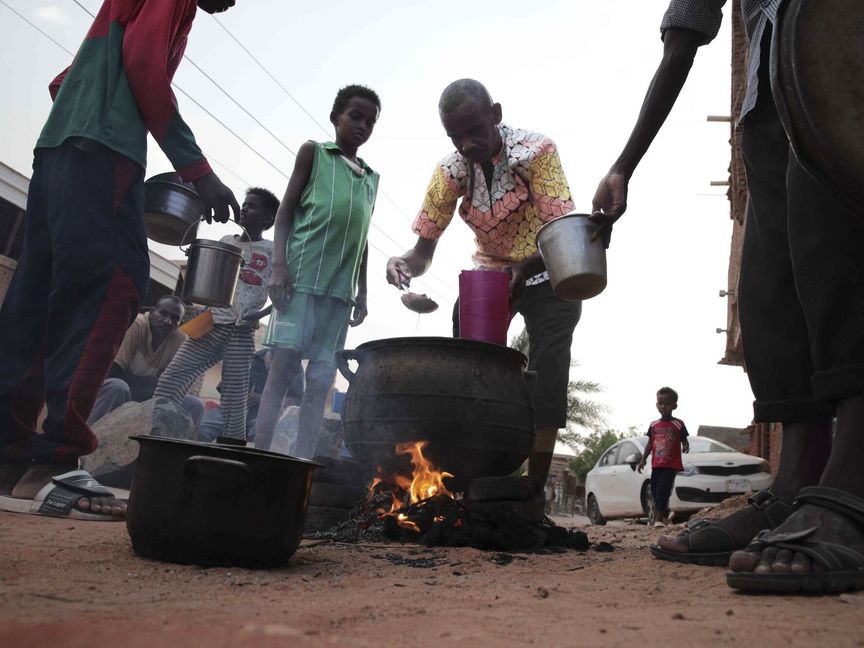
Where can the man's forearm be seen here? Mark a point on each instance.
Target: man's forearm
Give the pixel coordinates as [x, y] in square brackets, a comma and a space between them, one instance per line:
[679, 50]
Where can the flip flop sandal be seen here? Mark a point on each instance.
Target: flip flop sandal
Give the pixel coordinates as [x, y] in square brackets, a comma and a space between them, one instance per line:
[59, 496]
[842, 567]
[711, 545]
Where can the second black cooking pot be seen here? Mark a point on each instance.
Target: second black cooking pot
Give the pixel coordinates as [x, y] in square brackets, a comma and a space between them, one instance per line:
[212, 504]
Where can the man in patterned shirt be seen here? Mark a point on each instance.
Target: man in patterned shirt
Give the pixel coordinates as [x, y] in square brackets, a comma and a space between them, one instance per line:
[801, 307]
[510, 183]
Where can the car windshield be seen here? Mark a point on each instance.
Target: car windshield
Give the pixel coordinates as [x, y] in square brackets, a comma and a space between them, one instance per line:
[702, 444]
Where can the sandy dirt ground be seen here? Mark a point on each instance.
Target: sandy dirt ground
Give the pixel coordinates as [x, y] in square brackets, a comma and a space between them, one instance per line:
[77, 584]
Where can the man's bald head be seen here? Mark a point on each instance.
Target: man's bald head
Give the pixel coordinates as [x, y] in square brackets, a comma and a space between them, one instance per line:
[462, 91]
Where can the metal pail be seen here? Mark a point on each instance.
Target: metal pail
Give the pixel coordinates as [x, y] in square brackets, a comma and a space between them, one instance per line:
[575, 260]
[211, 275]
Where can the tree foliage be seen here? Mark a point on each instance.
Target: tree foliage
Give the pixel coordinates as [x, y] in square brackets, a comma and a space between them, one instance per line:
[594, 445]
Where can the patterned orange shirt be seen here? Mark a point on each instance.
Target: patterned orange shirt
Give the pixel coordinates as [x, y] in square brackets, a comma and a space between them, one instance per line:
[528, 189]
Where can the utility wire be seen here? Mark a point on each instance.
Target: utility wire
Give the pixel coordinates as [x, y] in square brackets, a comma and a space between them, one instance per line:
[255, 119]
[45, 34]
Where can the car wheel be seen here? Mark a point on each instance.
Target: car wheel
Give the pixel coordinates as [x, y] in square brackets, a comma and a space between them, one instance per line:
[594, 511]
[645, 499]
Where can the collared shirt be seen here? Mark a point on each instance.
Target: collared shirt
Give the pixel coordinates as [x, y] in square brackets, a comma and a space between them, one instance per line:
[704, 16]
[528, 189]
[137, 355]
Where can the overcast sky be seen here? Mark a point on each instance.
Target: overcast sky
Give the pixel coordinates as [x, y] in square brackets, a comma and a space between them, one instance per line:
[576, 71]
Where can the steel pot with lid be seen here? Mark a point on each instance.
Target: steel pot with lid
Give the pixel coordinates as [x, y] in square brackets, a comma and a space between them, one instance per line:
[213, 504]
[172, 209]
[469, 400]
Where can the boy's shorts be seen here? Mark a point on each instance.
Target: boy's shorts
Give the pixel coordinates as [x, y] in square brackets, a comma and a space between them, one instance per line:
[313, 325]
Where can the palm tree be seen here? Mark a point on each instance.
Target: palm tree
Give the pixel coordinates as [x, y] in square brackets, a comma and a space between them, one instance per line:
[581, 410]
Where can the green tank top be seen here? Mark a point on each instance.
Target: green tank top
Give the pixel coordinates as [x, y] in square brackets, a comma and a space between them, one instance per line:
[331, 225]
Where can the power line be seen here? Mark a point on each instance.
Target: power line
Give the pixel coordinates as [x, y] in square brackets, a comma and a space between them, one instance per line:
[46, 35]
[255, 119]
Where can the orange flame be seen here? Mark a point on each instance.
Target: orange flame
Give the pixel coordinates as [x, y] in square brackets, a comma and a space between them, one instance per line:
[425, 482]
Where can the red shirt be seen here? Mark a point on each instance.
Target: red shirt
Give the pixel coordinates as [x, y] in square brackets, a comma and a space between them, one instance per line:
[666, 436]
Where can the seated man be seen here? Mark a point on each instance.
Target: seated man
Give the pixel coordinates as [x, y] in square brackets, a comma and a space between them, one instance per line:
[147, 348]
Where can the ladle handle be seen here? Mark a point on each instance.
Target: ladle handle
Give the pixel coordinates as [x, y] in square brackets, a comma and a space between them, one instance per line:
[342, 357]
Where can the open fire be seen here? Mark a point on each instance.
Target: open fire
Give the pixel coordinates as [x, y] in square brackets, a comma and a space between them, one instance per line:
[393, 496]
[496, 513]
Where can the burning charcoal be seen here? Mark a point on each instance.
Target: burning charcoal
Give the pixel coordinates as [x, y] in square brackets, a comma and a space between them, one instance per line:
[503, 488]
[560, 537]
[321, 518]
[509, 511]
[517, 537]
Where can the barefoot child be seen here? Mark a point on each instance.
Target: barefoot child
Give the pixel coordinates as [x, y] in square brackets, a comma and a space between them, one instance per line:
[667, 439]
[319, 264]
[232, 338]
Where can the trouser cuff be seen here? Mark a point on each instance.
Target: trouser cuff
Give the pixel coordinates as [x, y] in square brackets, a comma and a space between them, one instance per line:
[809, 410]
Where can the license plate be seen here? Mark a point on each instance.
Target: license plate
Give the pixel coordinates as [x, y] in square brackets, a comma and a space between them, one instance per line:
[737, 485]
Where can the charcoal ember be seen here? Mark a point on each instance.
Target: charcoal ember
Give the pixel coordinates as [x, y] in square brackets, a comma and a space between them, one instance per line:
[509, 511]
[515, 537]
[485, 489]
[557, 536]
[335, 495]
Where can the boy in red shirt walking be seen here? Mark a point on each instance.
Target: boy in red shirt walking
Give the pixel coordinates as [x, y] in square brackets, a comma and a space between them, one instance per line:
[667, 439]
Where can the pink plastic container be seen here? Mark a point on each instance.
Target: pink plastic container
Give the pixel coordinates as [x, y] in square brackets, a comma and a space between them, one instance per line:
[484, 305]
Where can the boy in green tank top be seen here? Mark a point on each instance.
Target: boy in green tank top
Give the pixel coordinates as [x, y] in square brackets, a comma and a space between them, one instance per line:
[319, 265]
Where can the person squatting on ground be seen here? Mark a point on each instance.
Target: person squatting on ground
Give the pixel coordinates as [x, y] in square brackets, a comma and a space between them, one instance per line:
[84, 266]
[147, 348]
[510, 182]
[667, 439]
[801, 308]
[319, 265]
[232, 338]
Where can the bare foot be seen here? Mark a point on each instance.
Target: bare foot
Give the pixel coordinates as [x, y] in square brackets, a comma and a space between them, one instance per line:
[38, 475]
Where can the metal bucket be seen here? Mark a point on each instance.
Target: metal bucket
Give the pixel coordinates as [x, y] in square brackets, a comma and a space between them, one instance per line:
[212, 272]
[576, 263]
[172, 209]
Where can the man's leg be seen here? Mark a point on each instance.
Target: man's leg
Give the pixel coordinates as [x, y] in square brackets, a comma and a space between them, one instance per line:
[113, 393]
[92, 214]
[549, 322]
[319, 379]
[194, 408]
[827, 247]
[284, 367]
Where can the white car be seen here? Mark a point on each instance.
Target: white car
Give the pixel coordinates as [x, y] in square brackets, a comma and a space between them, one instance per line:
[712, 472]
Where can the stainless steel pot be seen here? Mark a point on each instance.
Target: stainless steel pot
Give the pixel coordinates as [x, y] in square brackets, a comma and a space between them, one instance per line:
[213, 504]
[576, 263]
[172, 209]
[212, 272]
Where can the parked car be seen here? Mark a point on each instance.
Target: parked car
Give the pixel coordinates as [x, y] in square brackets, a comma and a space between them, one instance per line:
[712, 472]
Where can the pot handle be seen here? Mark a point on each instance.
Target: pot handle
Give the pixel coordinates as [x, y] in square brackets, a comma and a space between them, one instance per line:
[201, 220]
[530, 378]
[342, 357]
[217, 469]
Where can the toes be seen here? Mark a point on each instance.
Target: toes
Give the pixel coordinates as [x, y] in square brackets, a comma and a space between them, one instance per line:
[673, 543]
[781, 562]
[104, 505]
[769, 554]
[800, 564]
[743, 561]
[83, 504]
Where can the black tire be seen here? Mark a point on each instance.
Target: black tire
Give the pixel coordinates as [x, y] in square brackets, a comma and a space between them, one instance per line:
[594, 511]
[647, 502]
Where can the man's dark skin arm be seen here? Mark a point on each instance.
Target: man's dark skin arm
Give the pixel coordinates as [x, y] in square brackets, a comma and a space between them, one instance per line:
[413, 263]
[679, 50]
[648, 448]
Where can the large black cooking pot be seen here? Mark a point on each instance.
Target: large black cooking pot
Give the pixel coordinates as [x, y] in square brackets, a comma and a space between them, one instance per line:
[213, 504]
[468, 399]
